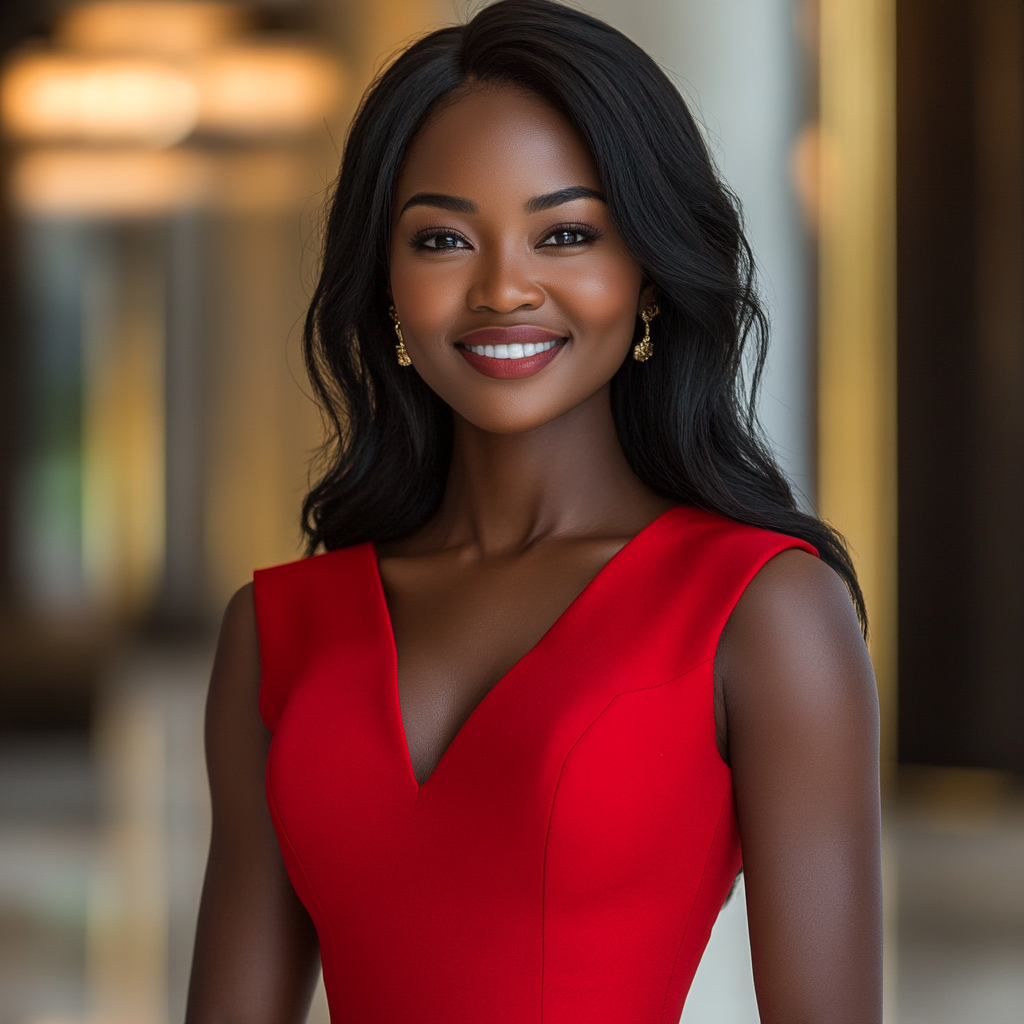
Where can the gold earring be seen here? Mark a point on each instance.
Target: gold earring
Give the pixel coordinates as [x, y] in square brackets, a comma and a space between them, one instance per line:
[644, 349]
[403, 355]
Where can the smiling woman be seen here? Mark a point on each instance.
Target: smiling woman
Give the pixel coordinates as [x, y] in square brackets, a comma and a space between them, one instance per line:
[563, 659]
[521, 250]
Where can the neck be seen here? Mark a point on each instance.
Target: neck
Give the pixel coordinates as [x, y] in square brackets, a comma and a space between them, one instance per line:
[568, 477]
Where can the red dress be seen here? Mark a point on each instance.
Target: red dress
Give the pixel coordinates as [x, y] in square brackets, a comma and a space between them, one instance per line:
[568, 856]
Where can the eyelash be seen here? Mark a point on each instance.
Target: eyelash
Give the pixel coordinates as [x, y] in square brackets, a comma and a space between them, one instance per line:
[420, 239]
[586, 232]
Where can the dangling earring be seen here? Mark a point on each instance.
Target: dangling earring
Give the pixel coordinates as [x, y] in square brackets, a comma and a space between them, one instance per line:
[644, 349]
[403, 355]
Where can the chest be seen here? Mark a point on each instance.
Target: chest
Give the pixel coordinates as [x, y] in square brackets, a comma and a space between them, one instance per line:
[460, 626]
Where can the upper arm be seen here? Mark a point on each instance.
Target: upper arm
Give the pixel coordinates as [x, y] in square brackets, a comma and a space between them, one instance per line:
[802, 714]
[256, 953]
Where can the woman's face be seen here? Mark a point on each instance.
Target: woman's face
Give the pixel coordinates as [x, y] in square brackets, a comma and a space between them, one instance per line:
[501, 239]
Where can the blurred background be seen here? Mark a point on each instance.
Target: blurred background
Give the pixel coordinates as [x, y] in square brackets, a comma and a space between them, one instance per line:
[163, 167]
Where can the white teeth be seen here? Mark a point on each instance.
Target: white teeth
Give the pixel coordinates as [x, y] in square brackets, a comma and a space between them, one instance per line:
[514, 351]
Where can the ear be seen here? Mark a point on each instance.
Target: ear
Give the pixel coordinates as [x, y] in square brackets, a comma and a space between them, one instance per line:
[648, 295]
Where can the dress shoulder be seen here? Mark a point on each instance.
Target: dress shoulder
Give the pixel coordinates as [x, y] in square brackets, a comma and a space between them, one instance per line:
[298, 605]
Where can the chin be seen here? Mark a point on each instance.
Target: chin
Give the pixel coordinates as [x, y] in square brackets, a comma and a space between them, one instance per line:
[514, 422]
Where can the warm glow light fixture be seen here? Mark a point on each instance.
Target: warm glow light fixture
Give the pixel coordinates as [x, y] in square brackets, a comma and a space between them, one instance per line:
[124, 183]
[153, 72]
[164, 27]
[109, 183]
[265, 90]
[50, 96]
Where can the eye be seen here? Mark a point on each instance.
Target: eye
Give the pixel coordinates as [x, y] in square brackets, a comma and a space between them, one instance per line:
[433, 240]
[570, 236]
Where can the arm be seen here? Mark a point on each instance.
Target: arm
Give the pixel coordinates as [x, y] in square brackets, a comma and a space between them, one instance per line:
[802, 713]
[255, 958]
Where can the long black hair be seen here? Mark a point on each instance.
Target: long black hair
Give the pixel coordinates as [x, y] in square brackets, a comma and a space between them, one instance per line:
[686, 419]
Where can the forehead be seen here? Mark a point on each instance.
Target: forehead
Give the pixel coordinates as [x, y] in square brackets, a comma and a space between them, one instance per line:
[496, 140]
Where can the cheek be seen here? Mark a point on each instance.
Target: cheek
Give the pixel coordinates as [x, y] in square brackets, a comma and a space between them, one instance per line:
[429, 297]
[601, 297]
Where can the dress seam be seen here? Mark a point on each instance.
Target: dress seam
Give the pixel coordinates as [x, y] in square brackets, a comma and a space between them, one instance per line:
[551, 815]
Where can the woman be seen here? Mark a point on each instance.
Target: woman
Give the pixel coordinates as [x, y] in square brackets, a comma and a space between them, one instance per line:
[572, 655]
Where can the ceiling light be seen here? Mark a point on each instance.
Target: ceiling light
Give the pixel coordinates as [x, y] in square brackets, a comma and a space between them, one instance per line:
[109, 183]
[152, 27]
[265, 90]
[101, 100]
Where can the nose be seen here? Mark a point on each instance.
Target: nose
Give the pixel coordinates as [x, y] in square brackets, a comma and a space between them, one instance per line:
[503, 283]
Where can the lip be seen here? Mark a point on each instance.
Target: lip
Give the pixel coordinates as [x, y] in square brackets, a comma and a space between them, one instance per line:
[521, 334]
[510, 369]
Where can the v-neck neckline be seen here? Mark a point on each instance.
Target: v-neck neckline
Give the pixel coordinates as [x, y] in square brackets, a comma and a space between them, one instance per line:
[393, 681]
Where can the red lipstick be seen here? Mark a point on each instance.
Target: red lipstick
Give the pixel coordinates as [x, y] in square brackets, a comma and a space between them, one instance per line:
[510, 352]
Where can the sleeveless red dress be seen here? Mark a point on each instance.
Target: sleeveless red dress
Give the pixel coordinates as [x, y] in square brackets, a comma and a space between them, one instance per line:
[566, 860]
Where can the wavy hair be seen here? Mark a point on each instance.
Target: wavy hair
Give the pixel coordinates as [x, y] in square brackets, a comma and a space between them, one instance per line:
[686, 420]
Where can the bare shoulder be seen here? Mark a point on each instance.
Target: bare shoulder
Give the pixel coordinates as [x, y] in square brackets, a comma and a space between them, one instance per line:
[238, 645]
[239, 623]
[235, 681]
[793, 593]
[794, 636]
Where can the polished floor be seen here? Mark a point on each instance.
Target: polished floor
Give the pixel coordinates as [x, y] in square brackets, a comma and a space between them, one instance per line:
[961, 920]
[101, 850]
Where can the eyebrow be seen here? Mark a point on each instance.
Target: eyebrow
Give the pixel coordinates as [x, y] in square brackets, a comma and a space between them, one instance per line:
[441, 202]
[563, 195]
[456, 204]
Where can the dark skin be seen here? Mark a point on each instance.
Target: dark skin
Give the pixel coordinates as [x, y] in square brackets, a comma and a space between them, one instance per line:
[540, 496]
